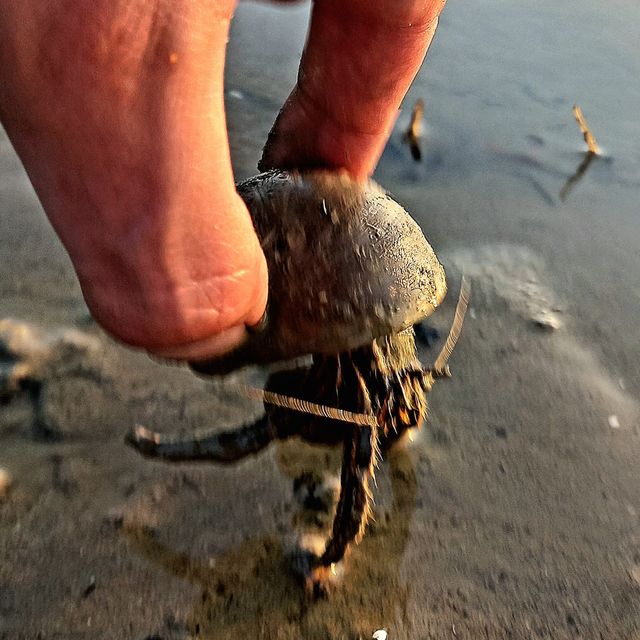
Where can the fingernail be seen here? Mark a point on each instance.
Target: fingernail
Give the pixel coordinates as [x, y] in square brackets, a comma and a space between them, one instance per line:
[258, 326]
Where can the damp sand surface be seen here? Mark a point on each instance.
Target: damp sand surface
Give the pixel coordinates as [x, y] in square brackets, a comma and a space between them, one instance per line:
[515, 514]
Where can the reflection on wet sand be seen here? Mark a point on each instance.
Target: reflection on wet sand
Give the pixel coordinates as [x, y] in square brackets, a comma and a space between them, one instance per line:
[578, 175]
[251, 590]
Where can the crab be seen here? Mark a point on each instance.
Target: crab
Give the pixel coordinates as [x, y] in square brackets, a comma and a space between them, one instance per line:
[350, 274]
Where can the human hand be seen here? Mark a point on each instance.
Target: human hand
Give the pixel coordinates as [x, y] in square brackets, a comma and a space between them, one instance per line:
[116, 111]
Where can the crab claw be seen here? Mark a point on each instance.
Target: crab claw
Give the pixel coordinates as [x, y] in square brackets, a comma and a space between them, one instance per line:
[347, 264]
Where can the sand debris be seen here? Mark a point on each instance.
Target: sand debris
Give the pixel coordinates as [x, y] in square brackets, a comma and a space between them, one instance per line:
[546, 320]
[32, 356]
[593, 151]
[90, 588]
[6, 480]
[586, 132]
[413, 132]
[29, 351]
[613, 421]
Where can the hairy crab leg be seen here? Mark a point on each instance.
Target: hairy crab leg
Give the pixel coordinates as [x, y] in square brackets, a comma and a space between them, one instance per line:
[354, 506]
[225, 447]
[361, 454]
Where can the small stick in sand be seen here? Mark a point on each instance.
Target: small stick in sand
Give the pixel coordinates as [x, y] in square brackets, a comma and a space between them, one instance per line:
[593, 151]
[414, 130]
[586, 132]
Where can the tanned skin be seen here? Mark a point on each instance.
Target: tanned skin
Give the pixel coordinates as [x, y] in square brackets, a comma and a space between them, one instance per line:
[116, 110]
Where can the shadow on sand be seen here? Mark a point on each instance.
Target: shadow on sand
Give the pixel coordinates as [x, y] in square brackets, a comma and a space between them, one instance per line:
[251, 591]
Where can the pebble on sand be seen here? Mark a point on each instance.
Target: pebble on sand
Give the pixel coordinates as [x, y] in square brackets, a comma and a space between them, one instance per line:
[380, 634]
[546, 320]
[613, 421]
[5, 482]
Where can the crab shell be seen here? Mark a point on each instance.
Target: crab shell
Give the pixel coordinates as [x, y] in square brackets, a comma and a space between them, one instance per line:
[347, 264]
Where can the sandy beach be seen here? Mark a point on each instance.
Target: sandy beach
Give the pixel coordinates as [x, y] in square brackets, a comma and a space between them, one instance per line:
[516, 512]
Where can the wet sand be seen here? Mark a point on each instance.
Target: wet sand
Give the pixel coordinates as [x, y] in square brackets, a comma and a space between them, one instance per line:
[515, 514]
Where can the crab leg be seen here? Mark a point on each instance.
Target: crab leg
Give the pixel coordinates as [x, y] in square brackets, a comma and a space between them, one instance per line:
[354, 506]
[225, 447]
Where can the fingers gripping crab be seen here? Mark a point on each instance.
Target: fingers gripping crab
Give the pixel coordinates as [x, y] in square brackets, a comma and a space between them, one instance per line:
[350, 273]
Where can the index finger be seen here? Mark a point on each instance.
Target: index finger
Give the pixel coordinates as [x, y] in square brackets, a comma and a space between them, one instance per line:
[359, 60]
